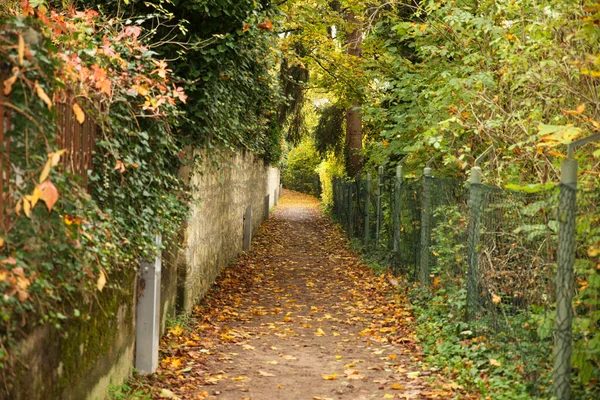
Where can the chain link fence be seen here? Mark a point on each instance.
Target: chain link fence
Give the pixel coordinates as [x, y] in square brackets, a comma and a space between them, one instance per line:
[512, 253]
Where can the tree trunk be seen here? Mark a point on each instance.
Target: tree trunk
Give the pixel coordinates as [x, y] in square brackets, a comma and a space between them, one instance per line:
[353, 116]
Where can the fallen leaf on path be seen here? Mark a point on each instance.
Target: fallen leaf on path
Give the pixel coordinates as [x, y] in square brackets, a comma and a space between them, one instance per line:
[263, 373]
[167, 394]
[331, 377]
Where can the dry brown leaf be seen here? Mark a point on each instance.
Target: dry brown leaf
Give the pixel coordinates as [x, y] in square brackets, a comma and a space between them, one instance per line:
[263, 373]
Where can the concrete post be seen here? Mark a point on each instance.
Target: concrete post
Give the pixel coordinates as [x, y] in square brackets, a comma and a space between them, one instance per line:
[397, 207]
[275, 196]
[474, 232]
[247, 228]
[379, 204]
[267, 206]
[147, 328]
[424, 269]
[565, 287]
[367, 208]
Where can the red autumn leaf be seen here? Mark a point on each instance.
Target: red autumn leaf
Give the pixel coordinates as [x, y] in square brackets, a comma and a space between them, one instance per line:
[49, 194]
[267, 25]
[27, 9]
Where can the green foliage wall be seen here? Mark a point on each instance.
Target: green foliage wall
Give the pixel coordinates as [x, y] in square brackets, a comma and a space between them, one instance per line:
[300, 171]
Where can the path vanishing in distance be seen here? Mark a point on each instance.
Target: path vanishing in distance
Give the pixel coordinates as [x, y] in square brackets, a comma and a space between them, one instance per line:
[299, 317]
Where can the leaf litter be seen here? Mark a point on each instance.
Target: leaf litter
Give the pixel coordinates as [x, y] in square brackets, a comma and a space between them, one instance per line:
[298, 317]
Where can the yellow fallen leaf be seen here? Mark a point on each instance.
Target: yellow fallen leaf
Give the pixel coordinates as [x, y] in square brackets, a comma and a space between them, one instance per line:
[240, 378]
[388, 396]
[413, 375]
[495, 362]
[397, 386]
[177, 331]
[272, 362]
[496, 299]
[320, 332]
[331, 377]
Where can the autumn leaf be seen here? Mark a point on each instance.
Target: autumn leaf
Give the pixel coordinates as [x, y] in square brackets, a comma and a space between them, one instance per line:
[240, 378]
[43, 96]
[177, 331]
[101, 282]
[397, 386]
[79, 114]
[21, 50]
[27, 207]
[331, 377]
[496, 299]
[263, 373]
[495, 362]
[119, 166]
[267, 25]
[55, 157]
[8, 84]
[49, 194]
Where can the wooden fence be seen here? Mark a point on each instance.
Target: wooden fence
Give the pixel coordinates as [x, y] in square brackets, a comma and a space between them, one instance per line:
[78, 139]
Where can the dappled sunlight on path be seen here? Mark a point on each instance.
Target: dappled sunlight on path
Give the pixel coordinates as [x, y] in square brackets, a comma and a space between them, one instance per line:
[298, 317]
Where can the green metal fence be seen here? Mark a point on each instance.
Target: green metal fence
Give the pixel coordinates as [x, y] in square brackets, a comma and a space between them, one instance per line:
[501, 247]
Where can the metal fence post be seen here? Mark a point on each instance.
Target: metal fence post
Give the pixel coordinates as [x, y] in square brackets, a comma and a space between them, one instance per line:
[367, 207]
[397, 205]
[350, 209]
[379, 210]
[424, 270]
[475, 202]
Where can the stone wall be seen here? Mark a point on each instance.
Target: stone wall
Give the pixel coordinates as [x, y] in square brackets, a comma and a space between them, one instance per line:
[214, 234]
[83, 358]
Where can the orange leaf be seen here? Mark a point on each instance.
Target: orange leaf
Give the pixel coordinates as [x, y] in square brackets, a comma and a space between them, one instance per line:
[49, 194]
[8, 84]
[79, 114]
[580, 108]
[267, 25]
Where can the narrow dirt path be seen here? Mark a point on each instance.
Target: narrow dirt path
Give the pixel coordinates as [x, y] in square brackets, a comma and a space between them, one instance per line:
[299, 317]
